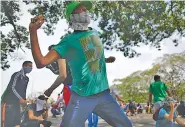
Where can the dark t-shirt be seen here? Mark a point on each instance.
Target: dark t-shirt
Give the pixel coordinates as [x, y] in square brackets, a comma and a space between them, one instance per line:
[16, 89]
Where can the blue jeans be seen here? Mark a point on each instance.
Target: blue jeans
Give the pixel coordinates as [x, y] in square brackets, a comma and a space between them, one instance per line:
[93, 120]
[102, 104]
[55, 112]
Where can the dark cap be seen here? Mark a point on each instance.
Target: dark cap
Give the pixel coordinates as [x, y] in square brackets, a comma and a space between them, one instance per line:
[42, 97]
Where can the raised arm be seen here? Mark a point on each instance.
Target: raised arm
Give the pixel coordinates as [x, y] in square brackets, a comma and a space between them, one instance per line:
[171, 115]
[40, 60]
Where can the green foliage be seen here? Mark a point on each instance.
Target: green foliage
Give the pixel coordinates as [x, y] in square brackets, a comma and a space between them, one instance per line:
[123, 24]
[17, 37]
[171, 68]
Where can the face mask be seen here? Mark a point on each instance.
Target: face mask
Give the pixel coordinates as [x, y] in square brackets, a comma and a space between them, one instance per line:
[27, 69]
[40, 104]
[80, 21]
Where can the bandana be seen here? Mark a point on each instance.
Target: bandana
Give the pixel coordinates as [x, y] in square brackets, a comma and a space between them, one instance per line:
[40, 104]
[79, 21]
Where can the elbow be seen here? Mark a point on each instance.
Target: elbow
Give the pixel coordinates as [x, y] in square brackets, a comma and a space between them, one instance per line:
[41, 64]
[31, 117]
[63, 76]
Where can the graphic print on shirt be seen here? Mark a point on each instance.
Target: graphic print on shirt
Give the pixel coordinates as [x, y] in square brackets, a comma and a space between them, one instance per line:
[93, 51]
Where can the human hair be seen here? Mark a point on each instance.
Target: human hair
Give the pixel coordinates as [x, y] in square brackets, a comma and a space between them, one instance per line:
[157, 77]
[50, 47]
[26, 62]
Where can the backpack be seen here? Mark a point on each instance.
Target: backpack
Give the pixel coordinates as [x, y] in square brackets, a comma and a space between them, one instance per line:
[156, 114]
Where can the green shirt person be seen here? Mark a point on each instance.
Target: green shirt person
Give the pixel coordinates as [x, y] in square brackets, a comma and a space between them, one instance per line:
[84, 52]
[159, 90]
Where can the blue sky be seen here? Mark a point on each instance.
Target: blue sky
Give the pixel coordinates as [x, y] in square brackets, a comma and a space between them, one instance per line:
[41, 79]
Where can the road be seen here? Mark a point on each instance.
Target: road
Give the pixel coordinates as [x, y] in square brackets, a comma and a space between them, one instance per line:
[140, 120]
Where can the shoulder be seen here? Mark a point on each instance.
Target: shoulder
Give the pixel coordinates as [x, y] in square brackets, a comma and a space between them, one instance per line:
[162, 112]
[16, 74]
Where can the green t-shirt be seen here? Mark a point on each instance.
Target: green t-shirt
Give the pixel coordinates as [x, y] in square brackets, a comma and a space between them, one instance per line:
[85, 55]
[158, 89]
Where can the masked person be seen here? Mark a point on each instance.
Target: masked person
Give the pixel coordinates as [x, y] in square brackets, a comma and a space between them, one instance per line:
[61, 69]
[36, 114]
[14, 95]
[84, 52]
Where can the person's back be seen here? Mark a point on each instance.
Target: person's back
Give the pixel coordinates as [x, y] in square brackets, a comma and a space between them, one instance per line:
[85, 57]
[158, 90]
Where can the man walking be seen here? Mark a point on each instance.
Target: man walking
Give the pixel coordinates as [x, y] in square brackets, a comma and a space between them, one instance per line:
[159, 90]
[14, 95]
[84, 52]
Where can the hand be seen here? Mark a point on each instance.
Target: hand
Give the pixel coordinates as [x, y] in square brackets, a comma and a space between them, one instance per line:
[28, 101]
[36, 23]
[111, 59]
[40, 118]
[48, 92]
[172, 105]
[22, 101]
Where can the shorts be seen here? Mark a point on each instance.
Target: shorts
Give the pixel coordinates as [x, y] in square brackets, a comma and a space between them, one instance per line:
[11, 115]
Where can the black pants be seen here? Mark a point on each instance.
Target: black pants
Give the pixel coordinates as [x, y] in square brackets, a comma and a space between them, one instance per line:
[10, 115]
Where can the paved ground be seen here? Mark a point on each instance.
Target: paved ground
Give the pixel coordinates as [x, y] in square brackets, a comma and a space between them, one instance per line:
[144, 120]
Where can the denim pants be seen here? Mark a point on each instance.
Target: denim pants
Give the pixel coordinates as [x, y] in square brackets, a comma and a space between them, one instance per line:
[102, 104]
[92, 120]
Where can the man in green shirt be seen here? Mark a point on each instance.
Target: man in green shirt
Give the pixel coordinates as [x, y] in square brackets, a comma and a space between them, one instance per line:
[159, 90]
[84, 52]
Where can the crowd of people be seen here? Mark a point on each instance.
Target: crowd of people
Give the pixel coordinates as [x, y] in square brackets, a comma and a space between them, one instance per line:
[78, 61]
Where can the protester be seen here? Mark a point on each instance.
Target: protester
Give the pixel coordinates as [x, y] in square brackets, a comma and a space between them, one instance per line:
[159, 90]
[92, 120]
[167, 115]
[60, 68]
[36, 114]
[84, 52]
[14, 95]
[139, 108]
[148, 108]
[56, 107]
[131, 108]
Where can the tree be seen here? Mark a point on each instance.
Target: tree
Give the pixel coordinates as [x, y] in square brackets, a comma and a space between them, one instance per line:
[169, 67]
[123, 24]
[17, 37]
[173, 73]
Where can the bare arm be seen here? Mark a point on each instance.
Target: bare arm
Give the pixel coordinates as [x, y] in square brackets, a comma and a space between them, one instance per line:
[150, 97]
[40, 60]
[32, 117]
[180, 122]
[62, 76]
[119, 99]
[171, 115]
